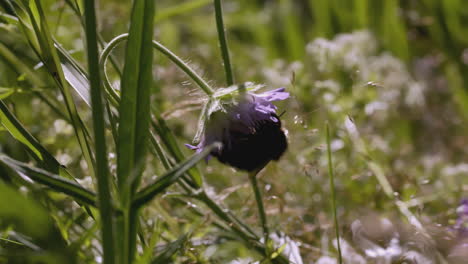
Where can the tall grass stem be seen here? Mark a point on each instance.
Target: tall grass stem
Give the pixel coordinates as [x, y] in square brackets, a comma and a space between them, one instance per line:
[101, 168]
[223, 42]
[332, 191]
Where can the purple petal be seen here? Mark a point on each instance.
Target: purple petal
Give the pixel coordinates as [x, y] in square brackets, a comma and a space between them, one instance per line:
[191, 146]
[198, 148]
[274, 95]
[266, 109]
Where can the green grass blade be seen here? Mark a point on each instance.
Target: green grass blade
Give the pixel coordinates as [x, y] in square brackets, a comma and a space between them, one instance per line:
[453, 13]
[42, 42]
[169, 140]
[5, 92]
[148, 250]
[223, 42]
[134, 117]
[53, 181]
[42, 156]
[74, 74]
[321, 11]
[361, 13]
[169, 178]
[19, 66]
[135, 102]
[17, 130]
[393, 30]
[23, 22]
[170, 250]
[292, 33]
[163, 130]
[183, 8]
[331, 175]
[102, 169]
[23, 213]
[160, 126]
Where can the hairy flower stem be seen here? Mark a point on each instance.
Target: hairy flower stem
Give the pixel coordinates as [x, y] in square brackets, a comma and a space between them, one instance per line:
[223, 42]
[261, 208]
[161, 48]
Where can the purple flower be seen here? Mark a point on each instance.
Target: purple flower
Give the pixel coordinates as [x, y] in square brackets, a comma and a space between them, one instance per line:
[248, 128]
[459, 251]
[462, 221]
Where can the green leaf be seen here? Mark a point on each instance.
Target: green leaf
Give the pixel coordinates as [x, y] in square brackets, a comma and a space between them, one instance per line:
[162, 183]
[6, 92]
[170, 250]
[55, 182]
[32, 228]
[134, 106]
[19, 66]
[160, 126]
[17, 130]
[4, 17]
[74, 74]
[278, 251]
[134, 117]
[145, 257]
[180, 9]
[172, 146]
[102, 169]
[24, 214]
[41, 41]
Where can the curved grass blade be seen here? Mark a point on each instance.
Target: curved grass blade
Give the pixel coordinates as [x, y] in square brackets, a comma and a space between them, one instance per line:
[53, 181]
[169, 178]
[161, 48]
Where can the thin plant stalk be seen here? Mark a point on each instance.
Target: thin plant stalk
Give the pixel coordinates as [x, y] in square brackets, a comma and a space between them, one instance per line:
[101, 168]
[223, 42]
[332, 191]
[261, 208]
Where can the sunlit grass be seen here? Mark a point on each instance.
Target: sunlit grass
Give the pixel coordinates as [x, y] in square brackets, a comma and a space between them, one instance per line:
[99, 98]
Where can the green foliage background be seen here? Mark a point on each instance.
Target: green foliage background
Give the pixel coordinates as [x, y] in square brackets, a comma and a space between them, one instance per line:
[390, 77]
